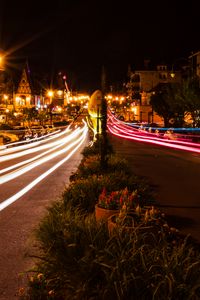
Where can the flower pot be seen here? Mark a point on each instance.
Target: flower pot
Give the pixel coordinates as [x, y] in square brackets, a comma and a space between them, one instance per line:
[104, 213]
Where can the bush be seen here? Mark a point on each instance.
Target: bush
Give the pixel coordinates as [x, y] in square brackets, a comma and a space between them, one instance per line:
[5, 127]
[90, 165]
[94, 148]
[84, 192]
[68, 240]
[81, 261]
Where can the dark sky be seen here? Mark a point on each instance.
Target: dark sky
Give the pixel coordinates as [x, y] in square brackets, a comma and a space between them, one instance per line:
[79, 37]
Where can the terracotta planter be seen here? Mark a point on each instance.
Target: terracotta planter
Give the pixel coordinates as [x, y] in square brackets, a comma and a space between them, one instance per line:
[103, 213]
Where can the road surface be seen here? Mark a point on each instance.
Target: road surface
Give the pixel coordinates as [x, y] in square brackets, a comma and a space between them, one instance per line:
[20, 215]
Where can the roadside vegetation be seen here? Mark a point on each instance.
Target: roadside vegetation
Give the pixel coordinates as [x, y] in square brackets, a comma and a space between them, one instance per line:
[177, 102]
[79, 259]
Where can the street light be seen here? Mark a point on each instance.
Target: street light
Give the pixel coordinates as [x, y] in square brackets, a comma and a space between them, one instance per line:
[5, 97]
[50, 93]
[181, 65]
[1, 62]
[7, 111]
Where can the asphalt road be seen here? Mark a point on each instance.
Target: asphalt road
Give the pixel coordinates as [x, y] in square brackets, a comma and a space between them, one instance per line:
[175, 177]
[19, 219]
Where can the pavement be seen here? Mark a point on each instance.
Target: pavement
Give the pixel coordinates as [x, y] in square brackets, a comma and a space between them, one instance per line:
[18, 223]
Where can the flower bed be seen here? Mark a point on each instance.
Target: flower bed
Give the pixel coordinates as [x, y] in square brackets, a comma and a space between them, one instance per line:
[111, 203]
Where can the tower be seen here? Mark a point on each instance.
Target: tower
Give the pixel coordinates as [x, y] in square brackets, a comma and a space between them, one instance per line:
[23, 94]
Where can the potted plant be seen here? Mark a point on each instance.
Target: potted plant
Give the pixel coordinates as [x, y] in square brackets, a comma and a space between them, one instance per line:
[111, 203]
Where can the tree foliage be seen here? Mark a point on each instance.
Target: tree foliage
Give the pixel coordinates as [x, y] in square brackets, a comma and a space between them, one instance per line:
[188, 97]
[162, 103]
[173, 102]
[30, 114]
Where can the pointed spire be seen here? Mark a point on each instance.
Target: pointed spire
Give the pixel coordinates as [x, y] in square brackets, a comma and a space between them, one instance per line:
[27, 66]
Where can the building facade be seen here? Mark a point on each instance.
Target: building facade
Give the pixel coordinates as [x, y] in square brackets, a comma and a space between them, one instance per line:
[140, 87]
[24, 95]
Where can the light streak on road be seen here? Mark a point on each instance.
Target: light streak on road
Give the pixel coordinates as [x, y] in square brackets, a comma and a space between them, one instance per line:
[25, 169]
[33, 150]
[32, 144]
[27, 188]
[24, 162]
[28, 141]
[175, 129]
[119, 129]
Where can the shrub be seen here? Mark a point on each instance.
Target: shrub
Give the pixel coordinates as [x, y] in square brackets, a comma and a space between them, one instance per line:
[81, 261]
[90, 165]
[94, 148]
[5, 127]
[68, 240]
[84, 193]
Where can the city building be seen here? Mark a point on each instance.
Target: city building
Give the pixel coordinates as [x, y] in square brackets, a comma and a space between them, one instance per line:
[194, 60]
[24, 95]
[140, 86]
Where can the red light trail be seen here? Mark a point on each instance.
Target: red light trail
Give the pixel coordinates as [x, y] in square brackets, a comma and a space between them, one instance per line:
[120, 129]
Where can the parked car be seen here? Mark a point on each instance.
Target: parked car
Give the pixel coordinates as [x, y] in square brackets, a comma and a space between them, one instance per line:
[37, 130]
[49, 126]
[20, 128]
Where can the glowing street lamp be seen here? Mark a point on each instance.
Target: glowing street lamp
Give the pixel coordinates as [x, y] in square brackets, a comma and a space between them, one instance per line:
[172, 74]
[5, 97]
[182, 63]
[60, 93]
[50, 94]
[1, 63]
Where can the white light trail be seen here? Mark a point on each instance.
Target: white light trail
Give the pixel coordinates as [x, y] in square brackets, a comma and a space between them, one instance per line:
[22, 192]
[25, 169]
[28, 141]
[58, 144]
[33, 150]
[32, 144]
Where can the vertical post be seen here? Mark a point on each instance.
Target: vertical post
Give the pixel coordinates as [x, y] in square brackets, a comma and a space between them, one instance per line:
[140, 116]
[152, 116]
[98, 112]
[51, 115]
[104, 146]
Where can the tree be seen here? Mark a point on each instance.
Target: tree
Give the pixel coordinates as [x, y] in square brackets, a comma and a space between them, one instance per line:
[175, 102]
[42, 116]
[188, 97]
[30, 114]
[162, 103]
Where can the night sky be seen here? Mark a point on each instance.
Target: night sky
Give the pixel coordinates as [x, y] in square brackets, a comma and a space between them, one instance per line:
[78, 37]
